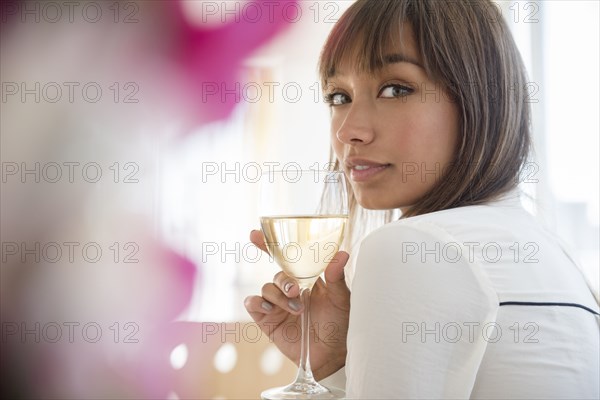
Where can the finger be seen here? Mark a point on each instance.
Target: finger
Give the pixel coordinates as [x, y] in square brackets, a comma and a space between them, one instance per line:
[258, 307]
[334, 272]
[258, 239]
[287, 285]
[273, 295]
[266, 315]
[334, 275]
[319, 285]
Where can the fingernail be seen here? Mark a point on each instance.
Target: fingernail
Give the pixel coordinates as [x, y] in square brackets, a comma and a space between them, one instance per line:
[294, 305]
[288, 286]
[266, 306]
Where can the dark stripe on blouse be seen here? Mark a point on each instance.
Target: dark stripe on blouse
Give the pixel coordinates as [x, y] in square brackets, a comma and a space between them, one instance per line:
[528, 303]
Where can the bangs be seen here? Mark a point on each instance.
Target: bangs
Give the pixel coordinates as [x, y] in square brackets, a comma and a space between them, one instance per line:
[363, 36]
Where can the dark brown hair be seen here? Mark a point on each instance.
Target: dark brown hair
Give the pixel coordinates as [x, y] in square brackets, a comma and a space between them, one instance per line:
[467, 48]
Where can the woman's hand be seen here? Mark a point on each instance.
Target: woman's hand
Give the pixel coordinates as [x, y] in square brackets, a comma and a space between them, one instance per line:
[278, 313]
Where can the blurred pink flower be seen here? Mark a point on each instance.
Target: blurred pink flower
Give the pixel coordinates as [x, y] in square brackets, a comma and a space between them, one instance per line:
[206, 61]
[175, 63]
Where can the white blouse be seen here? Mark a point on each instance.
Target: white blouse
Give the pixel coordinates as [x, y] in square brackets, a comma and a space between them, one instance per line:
[462, 303]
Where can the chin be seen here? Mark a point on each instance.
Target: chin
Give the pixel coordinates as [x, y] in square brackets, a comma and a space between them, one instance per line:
[377, 204]
[379, 201]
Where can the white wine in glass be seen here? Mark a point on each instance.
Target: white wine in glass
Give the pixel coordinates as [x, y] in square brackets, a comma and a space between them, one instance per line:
[303, 218]
[303, 245]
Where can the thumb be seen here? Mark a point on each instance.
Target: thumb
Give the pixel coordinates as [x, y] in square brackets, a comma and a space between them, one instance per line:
[334, 275]
[258, 239]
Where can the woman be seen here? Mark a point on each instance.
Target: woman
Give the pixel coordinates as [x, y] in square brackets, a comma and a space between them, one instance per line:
[465, 295]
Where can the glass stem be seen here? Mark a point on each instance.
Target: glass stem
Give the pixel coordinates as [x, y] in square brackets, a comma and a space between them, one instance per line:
[304, 372]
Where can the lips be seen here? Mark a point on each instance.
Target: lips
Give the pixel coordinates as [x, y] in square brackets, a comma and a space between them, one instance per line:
[362, 170]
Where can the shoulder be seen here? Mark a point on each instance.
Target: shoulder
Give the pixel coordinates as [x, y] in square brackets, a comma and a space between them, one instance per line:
[420, 261]
[412, 286]
[501, 220]
[432, 234]
[504, 212]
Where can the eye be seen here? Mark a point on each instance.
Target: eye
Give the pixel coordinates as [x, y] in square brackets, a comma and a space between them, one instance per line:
[395, 91]
[336, 99]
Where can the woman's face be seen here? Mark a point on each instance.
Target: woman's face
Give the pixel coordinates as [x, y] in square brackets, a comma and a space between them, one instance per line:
[393, 132]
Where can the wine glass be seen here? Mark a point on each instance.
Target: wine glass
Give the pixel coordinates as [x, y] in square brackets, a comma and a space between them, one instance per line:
[303, 215]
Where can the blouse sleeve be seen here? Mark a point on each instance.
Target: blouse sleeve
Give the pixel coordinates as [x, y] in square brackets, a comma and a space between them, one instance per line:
[421, 314]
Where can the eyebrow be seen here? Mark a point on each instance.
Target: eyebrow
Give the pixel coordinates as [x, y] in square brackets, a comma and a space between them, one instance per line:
[398, 58]
[388, 59]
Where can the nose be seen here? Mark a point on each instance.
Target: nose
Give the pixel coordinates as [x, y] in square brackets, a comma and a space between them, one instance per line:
[356, 126]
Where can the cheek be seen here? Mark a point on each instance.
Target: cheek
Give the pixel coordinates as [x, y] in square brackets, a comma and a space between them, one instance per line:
[433, 133]
[335, 142]
[447, 127]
